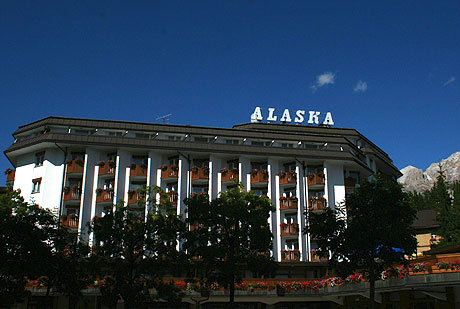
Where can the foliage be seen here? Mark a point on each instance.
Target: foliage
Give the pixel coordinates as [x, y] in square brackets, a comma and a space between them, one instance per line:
[32, 246]
[377, 220]
[131, 253]
[230, 234]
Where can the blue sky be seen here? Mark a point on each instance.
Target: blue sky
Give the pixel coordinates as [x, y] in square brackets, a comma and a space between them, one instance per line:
[390, 69]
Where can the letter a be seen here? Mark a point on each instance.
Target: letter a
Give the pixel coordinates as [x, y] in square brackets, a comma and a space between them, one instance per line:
[328, 120]
[257, 115]
[286, 116]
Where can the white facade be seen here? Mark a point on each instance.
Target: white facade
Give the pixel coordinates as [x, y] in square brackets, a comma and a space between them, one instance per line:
[98, 174]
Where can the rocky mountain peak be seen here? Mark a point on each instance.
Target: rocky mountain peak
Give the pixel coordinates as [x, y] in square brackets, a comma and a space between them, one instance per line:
[414, 179]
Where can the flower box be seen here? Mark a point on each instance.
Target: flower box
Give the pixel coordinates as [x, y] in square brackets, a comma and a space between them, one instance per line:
[72, 194]
[315, 179]
[317, 203]
[75, 166]
[259, 176]
[108, 168]
[138, 170]
[134, 197]
[287, 177]
[104, 196]
[289, 229]
[169, 171]
[229, 174]
[290, 255]
[200, 173]
[70, 221]
[10, 173]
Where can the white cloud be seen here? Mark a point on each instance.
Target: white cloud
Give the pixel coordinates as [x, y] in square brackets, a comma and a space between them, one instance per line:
[360, 86]
[449, 81]
[324, 79]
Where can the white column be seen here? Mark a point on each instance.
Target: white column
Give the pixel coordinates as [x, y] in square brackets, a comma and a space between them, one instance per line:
[125, 193]
[276, 227]
[244, 167]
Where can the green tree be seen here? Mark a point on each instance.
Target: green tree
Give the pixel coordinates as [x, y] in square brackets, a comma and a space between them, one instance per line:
[229, 235]
[445, 199]
[369, 232]
[131, 254]
[30, 243]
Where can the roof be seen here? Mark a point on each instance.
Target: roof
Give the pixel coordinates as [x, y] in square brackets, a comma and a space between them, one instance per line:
[425, 219]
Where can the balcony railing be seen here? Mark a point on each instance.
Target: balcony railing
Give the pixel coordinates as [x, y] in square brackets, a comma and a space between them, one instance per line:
[70, 221]
[75, 166]
[72, 194]
[314, 257]
[259, 176]
[315, 179]
[106, 168]
[229, 174]
[290, 255]
[317, 203]
[10, 173]
[138, 170]
[200, 173]
[289, 229]
[288, 203]
[287, 177]
[169, 171]
[104, 196]
[171, 197]
[134, 197]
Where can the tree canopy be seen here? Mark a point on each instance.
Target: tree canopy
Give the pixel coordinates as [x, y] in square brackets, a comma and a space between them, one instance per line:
[131, 254]
[228, 236]
[370, 231]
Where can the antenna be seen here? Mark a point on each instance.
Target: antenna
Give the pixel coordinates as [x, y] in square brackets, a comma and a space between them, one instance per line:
[165, 118]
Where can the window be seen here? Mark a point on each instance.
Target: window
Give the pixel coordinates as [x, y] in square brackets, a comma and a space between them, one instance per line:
[142, 135]
[258, 143]
[174, 138]
[36, 185]
[111, 133]
[202, 139]
[287, 145]
[39, 158]
[292, 245]
[232, 141]
[140, 159]
[198, 190]
[112, 156]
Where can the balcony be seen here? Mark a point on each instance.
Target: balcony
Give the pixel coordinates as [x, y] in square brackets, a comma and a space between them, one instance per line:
[169, 171]
[287, 178]
[72, 194]
[74, 166]
[138, 170]
[229, 175]
[106, 168]
[200, 173]
[170, 197]
[316, 203]
[134, 198]
[104, 196]
[70, 221]
[316, 179]
[10, 173]
[259, 176]
[314, 257]
[290, 255]
[289, 229]
[288, 203]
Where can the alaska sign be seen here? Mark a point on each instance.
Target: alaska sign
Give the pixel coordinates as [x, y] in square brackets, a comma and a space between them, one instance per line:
[299, 116]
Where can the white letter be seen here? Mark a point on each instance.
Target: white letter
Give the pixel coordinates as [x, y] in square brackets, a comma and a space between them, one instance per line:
[313, 117]
[257, 115]
[299, 116]
[270, 114]
[286, 117]
[328, 120]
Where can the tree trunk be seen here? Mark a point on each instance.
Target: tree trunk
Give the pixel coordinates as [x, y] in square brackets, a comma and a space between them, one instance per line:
[232, 291]
[372, 285]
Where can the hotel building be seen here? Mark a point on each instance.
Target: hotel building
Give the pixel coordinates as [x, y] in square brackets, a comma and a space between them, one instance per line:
[79, 168]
